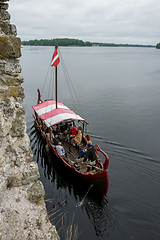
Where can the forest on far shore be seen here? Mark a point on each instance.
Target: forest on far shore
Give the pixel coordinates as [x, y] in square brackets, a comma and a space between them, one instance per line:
[158, 46]
[75, 42]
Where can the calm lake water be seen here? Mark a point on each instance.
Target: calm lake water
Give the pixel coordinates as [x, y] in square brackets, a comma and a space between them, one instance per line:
[119, 93]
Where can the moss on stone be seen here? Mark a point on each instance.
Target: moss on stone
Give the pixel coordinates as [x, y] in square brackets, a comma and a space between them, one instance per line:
[10, 47]
[16, 91]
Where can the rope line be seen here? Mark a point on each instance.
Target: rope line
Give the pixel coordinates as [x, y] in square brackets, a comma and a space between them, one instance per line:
[51, 85]
[45, 79]
[70, 84]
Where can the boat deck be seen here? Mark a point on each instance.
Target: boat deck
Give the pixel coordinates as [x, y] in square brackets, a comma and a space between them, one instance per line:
[73, 154]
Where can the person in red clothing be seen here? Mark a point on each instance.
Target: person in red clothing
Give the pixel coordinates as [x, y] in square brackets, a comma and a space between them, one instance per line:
[73, 131]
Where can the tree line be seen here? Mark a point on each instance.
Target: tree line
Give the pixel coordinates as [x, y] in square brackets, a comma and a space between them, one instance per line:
[75, 42]
[158, 46]
[60, 41]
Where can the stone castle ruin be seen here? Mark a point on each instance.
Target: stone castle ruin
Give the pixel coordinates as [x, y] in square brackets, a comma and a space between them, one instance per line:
[23, 213]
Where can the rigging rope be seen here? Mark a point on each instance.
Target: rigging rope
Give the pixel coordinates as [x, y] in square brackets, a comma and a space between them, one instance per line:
[45, 79]
[51, 85]
[69, 84]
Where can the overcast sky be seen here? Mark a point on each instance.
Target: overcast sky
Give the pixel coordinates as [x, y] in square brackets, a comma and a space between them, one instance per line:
[116, 21]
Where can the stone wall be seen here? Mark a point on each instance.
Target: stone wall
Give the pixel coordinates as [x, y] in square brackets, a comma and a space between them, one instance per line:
[23, 213]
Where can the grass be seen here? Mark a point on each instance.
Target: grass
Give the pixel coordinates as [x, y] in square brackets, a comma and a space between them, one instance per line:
[72, 231]
[57, 217]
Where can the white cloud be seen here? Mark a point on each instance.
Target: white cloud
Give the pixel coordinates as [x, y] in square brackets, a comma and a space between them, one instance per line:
[133, 21]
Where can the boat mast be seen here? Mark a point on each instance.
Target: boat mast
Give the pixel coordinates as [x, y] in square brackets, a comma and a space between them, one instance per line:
[56, 46]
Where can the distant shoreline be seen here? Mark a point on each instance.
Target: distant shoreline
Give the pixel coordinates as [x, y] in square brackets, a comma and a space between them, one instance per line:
[76, 42]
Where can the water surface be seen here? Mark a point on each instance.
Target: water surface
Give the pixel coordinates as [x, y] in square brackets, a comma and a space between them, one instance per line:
[119, 92]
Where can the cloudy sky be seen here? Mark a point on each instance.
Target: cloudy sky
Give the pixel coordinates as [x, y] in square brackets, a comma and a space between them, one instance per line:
[116, 21]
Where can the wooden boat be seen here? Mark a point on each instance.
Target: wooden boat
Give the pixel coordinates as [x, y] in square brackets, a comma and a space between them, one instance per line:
[52, 118]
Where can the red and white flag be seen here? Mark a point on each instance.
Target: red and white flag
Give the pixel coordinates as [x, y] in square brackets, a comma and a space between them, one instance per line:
[55, 59]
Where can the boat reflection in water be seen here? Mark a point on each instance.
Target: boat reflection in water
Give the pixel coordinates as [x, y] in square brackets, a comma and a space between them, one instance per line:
[72, 197]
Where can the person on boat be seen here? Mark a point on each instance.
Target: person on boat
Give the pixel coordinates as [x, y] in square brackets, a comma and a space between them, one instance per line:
[89, 142]
[55, 129]
[49, 135]
[80, 128]
[56, 139]
[77, 139]
[44, 127]
[73, 131]
[88, 138]
[90, 155]
[60, 149]
[63, 126]
[66, 133]
[82, 152]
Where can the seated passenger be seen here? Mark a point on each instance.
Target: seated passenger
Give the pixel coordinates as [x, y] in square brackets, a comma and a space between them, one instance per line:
[82, 152]
[56, 140]
[66, 134]
[55, 129]
[89, 142]
[60, 149]
[44, 127]
[49, 135]
[88, 139]
[63, 126]
[77, 139]
[73, 131]
[80, 128]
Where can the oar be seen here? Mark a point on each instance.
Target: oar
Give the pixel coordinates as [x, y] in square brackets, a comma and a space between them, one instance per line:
[81, 203]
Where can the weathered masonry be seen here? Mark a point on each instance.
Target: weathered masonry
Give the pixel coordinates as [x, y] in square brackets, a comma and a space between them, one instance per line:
[23, 213]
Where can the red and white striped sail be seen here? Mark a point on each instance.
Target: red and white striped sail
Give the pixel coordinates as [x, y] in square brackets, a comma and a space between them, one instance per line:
[51, 115]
